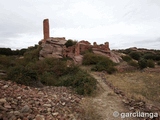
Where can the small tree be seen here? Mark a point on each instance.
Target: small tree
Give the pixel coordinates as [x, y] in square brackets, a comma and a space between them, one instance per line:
[142, 63]
[70, 43]
[135, 55]
[150, 63]
[126, 58]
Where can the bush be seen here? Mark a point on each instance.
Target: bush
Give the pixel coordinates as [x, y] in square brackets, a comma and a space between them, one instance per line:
[87, 51]
[133, 63]
[32, 54]
[126, 58]
[70, 43]
[82, 82]
[135, 55]
[150, 63]
[5, 51]
[106, 65]
[111, 70]
[127, 51]
[23, 75]
[8, 51]
[7, 61]
[48, 79]
[158, 63]
[142, 63]
[157, 57]
[101, 63]
[149, 56]
[55, 66]
[50, 71]
[90, 59]
[59, 74]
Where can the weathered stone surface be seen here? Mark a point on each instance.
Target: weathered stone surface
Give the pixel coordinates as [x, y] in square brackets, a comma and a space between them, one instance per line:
[3, 100]
[40, 117]
[46, 103]
[25, 109]
[78, 59]
[55, 47]
[114, 57]
[46, 29]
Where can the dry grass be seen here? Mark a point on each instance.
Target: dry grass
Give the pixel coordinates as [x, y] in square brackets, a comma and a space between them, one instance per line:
[90, 111]
[138, 85]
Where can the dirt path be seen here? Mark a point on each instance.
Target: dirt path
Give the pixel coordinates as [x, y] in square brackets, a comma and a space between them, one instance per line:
[107, 102]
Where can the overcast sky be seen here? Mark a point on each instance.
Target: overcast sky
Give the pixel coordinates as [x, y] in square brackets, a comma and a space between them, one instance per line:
[123, 23]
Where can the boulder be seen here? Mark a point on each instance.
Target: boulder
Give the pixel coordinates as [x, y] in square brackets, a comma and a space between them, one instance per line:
[53, 47]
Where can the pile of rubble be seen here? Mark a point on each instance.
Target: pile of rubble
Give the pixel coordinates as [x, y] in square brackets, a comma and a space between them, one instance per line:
[19, 102]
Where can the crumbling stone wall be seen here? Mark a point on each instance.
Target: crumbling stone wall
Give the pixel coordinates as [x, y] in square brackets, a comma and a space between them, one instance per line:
[55, 47]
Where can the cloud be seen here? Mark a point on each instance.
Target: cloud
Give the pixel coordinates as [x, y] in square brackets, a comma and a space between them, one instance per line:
[122, 23]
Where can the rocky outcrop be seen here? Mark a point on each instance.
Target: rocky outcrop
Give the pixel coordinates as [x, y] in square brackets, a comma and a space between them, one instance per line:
[104, 50]
[53, 47]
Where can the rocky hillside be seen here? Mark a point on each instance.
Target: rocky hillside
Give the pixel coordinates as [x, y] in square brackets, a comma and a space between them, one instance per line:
[19, 102]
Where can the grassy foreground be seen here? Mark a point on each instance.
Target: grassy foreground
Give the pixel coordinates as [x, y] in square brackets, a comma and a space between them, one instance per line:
[138, 85]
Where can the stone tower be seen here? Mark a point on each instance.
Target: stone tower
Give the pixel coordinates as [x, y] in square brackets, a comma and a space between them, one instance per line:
[46, 29]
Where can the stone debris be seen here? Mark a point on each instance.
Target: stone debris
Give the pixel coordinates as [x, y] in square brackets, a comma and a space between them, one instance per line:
[20, 102]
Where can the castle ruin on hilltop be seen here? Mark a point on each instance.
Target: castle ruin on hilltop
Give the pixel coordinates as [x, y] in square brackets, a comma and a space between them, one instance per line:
[55, 47]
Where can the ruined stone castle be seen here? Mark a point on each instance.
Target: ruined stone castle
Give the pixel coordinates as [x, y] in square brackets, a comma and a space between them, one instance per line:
[55, 47]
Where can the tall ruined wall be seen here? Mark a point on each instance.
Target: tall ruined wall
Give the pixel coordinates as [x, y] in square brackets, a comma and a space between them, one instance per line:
[46, 29]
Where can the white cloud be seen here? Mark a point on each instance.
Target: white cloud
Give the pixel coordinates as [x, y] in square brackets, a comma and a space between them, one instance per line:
[119, 22]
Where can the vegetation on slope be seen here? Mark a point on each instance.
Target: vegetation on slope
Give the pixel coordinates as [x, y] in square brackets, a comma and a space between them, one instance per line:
[50, 71]
[141, 58]
[100, 63]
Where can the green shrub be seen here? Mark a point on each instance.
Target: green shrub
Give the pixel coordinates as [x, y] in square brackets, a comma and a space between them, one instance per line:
[150, 63]
[48, 79]
[135, 55]
[9, 52]
[126, 58]
[87, 51]
[23, 75]
[53, 72]
[127, 51]
[142, 63]
[157, 57]
[81, 81]
[5, 51]
[101, 63]
[133, 63]
[70, 43]
[60, 75]
[149, 56]
[32, 54]
[90, 59]
[55, 66]
[111, 70]
[104, 65]
[7, 61]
